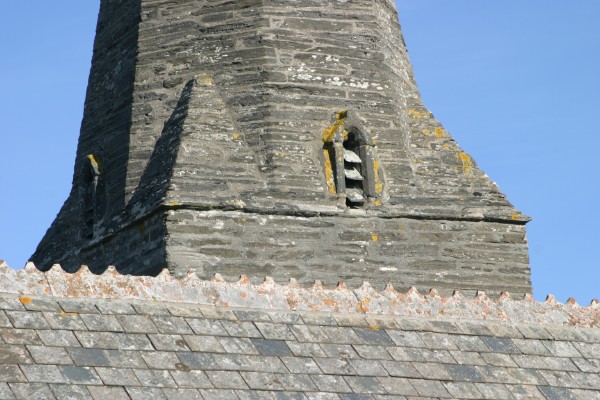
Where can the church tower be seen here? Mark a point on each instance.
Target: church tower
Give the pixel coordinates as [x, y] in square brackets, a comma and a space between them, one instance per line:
[281, 138]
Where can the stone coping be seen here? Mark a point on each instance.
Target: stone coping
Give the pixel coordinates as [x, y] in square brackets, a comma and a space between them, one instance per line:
[271, 296]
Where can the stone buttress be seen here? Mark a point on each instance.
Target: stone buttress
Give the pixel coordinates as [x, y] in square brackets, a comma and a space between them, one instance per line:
[275, 137]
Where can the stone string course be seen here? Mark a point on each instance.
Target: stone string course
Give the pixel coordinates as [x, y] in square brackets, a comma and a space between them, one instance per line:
[293, 297]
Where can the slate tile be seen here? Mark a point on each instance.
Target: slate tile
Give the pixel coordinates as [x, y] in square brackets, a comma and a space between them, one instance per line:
[186, 310]
[238, 345]
[438, 356]
[250, 315]
[88, 357]
[530, 331]
[562, 349]
[301, 365]
[350, 320]
[191, 379]
[117, 376]
[182, 394]
[582, 394]
[500, 345]
[27, 320]
[28, 391]
[553, 393]
[470, 343]
[137, 324]
[405, 354]
[467, 357]
[49, 355]
[464, 373]
[401, 369]
[526, 376]
[532, 347]
[585, 380]
[217, 313]
[368, 367]
[438, 341]
[504, 330]
[474, 328]
[5, 392]
[160, 359]
[272, 331]
[309, 334]
[125, 359]
[432, 371]
[493, 391]
[372, 352]
[445, 327]
[318, 319]
[559, 379]
[373, 337]
[284, 318]
[40, 304]
[335, 366]
[204, 344]
[306, 349]
[98, 340]
[5, 321]
[133, 341]
[262, 380]
[152, 378]
[14, 354]
[115, 307]
[108, 393]
[11, 373]
[499, 360]
[58, 338]
[525, 392]
[428, 388]
[71, 392]
[463, 390]
[144, 308]
[493, 374]
[560, 363]
[271, 347]
[524, 361]
[381, 322]
[322, 396]
[341, 335]
[200, 361]
[339, 351]
[8, 302]
[414, 324]
[233, 362]
[80, 375]
[406, 339]
[566, 333]
[226, 380]
[266, 364]
[65, 321]
[42, 374]
[19, 336]
[588, 350]
[297, 382]
[587, 365]
[172, 325]
[101, 323]
[287, 395]
[398, 386]
[218, 394]
[256, 394]
[207, 327]
[168, 342]
[78, 306]
[331, 383]
[145, 393]
[241, 329]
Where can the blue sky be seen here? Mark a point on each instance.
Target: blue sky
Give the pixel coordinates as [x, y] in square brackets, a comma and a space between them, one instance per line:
[515, 82]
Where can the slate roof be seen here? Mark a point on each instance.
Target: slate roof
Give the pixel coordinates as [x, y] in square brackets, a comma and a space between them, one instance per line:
[62, 341]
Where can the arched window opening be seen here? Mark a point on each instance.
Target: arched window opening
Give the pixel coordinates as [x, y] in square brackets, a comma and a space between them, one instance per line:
[90, 207]
[350, 163]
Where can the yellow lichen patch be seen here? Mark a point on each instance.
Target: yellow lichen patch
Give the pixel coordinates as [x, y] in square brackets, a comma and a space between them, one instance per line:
[236, 135]
[440, 132]
[374, 327]
[25, 300]
[282, 154]
[174, 203]
[377, 203]
[378, 184]
[329, 173]
[446, 146]
[94, 161]
[426, 132]
[374, 237]
[467, 163]
[204, 79]
[417, 114]
[329, 133]
[63, 314]
[517, 216]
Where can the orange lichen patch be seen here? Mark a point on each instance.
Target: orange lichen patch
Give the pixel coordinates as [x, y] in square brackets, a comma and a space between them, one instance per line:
[25, 300]
[417, 114]
[244, 295]
[329, 173]
[329, 133]
[440, 132]
[467, 163]
[329, 302]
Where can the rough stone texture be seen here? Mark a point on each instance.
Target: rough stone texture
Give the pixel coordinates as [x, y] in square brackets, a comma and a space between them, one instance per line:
[205, 121]
[227, 342]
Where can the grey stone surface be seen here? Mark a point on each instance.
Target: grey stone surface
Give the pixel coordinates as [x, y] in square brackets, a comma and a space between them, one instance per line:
[209, 149]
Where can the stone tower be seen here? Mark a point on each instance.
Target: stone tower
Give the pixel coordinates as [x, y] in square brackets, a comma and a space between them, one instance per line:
[283, 138]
